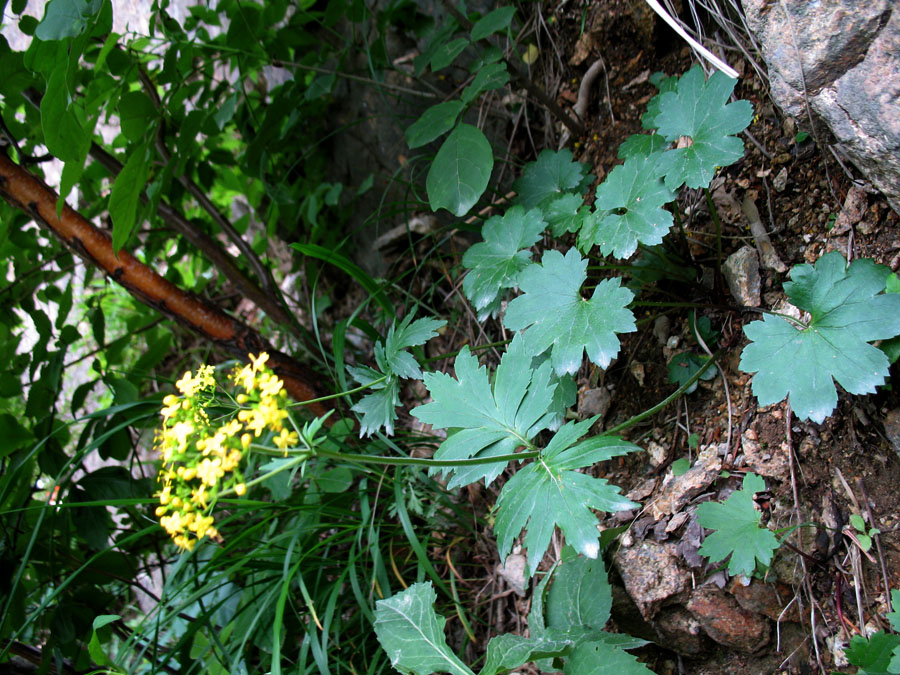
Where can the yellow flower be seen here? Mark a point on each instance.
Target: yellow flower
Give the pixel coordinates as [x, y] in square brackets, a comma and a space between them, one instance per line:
[259, 361]
[180, 433]
[240, 489]
[210, 471]
[286, 439]
[270, 385]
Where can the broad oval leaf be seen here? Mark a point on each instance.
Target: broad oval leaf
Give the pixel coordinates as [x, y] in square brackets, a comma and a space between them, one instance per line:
[460, 171]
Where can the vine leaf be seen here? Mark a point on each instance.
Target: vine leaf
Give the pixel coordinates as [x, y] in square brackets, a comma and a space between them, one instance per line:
[554, 315]
[697, 111]
[550, 175]
[580, 594]
[495, 263]
[847, 310]
[629, 209]
[550, 491]
[641, 145]
[412, 633]
[378, 408]
[737, 531]
[434, 122]
[490, 422]
[460, 171]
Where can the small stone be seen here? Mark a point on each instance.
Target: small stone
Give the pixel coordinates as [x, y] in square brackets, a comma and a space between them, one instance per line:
[726, 622]
[652, 574]
[741, 270]
[594, 402]
[780, 180]
[661, 327]
[657, 453]
[513, 572]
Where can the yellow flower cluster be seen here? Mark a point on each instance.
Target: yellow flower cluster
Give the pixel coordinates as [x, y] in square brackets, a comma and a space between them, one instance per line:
[200, 458]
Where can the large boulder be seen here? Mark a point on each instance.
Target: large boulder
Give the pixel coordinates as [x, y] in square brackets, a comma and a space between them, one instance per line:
[843, 57]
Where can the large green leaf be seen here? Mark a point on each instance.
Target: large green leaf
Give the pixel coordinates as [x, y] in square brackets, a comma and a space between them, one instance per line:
[552, 174]
[378, 408]
[847, 310]
[434, 122]
[553, 492]
[126, 195]
[66, 18]
[697, 110]
[412, 633]
[580, 594]
[737, 531]
[135, 113]
[556, 317]
[629, 209]
[495, 263]
[491, 421]
[460, 171]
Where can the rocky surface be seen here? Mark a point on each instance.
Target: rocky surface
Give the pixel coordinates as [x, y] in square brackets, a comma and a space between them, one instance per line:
[839, 60]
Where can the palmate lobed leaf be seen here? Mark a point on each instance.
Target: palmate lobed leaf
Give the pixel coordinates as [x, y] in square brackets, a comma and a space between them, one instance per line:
[737, 531]
[379, 407]
[554, 316]
[491, 420]
[552, 174]
[847, 309]
[629, 209]
[495, 263]
[697, 110]
[550, 492]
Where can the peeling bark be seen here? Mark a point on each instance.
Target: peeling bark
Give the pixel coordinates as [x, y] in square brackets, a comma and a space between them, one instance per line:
[27, 192]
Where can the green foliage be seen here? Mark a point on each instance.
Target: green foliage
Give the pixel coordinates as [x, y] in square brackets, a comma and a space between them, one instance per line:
[495, 263]
[460, 171]
[847, 310]
[378, 408]
[551, 175]
[629, 204]
[684, 366]
[873, 656]
[697, 109]
[551, 299]
[737, 531]
[412, 633]
[491, 421]
[551, 492]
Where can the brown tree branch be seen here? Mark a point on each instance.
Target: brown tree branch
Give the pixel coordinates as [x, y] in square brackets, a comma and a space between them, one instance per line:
[30, 194]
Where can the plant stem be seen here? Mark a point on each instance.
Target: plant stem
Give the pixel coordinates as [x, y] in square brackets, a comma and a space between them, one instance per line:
[666, 401]
[423, 461]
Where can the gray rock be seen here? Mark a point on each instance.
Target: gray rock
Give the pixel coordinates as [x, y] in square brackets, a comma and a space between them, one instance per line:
[842, 59]
[741, 270]
[652, 574]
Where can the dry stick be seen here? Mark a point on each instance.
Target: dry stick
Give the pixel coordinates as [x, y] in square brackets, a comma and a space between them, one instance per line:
[796, 493]
[30, 194]
[584, 95]
[884, 575]
[521, 78]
